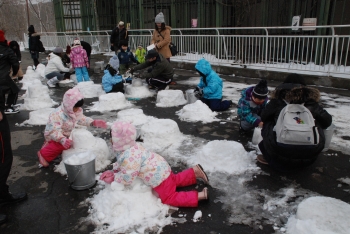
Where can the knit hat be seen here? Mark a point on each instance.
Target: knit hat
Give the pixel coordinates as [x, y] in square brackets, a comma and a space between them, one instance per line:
[121, 23]
[31, 29]
[123, 135]
[58, 50]
[2, 36]
[159, 18]
[124, 43]
[114, 62]
[260, 90]
[140, 45]
[151, 54]
[295, 79]
[76, 42]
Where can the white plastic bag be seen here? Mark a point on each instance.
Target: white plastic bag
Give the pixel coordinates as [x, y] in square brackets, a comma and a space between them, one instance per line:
[257, 136]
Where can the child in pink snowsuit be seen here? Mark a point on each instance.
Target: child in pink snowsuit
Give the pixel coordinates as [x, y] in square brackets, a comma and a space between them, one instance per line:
[61, 123]
[135, 161]
[79, 61]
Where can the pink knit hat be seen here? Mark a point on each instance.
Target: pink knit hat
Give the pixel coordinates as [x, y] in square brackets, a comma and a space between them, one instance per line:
[123, 135]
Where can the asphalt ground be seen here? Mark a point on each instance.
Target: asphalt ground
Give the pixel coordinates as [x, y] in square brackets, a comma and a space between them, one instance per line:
[53, 207]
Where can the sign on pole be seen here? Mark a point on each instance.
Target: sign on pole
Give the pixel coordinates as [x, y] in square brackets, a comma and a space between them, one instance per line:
[295, 22]
[309, 22]
[194, 23]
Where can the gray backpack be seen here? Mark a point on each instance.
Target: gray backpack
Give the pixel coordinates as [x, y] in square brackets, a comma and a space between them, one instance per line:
[296, 126]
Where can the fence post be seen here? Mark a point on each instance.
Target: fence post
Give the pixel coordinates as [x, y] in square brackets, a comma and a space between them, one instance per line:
[331, 53]
[266, 45]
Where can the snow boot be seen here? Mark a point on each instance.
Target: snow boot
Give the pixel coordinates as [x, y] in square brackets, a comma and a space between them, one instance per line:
[52, 82]
[260, 158]
[203, 195]
[200, 174]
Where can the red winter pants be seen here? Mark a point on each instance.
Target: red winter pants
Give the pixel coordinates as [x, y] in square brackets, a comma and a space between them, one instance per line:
[167, 190]
[51, 150]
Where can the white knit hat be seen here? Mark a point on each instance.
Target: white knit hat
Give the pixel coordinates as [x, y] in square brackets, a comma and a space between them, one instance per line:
[159, 18]
[121, 23]
[76, 42]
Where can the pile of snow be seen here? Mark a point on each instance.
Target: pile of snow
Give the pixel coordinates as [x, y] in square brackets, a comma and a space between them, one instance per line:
[83, 141]
[66, 83]
[168, 98]
[159, 134]
[80, 158]
[39, 117]
[29, 79]
[134, 116]
[40, 70]
[110, 101]
[197, 111]
[131, 209]
[37, 97]
[317, 215]
[224, 156]
[137, 91]
[90, 90]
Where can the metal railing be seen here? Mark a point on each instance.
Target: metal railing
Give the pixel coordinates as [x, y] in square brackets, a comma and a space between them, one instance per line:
[255, 48]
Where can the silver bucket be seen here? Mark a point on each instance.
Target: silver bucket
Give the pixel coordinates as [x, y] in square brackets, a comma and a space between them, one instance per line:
[190, 96]
[81, 176]
[328, 133]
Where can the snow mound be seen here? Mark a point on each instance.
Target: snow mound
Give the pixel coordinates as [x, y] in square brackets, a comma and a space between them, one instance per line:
[134, 116]
[83, 141]
[137, 91]
[168, 98]
[159, 134]
[37, 97]
[197, 111]
[39, 117]
[320, 215]
[90, 90]
[110, 101]
[224, 156]
[131, 209]
[29, 80]
[40, 70]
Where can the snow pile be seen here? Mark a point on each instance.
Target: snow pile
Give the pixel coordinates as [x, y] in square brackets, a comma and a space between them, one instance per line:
[197, 111]
[320, 215]
[134, 116]
[39, 117]
[40, 70]
[66, 83]
[224, 156]
[29, 79]
[110, 101]
[90, 90]
[80, 158]
[128, 209]
[197, 216]
[83, 141]
[137, 91]
[168, 98]
[37, 97]
[159, 134]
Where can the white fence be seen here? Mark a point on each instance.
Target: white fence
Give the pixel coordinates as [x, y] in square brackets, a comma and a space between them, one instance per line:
[256, 48]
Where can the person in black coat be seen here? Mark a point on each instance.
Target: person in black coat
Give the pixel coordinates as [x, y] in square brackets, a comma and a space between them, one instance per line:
[8, 60]
[87, 47]
[15, 47]
[119, 33]
[293, 90]
[6, 159]
[34, 45]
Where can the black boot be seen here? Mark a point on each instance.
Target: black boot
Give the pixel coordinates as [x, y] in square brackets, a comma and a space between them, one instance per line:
[3, 218]
[9, 198]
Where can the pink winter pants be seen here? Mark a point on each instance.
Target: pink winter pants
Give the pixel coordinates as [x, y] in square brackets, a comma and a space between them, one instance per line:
[51, 150]
[167, 189]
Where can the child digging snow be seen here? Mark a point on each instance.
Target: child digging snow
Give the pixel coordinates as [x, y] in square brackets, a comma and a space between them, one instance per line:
[61, 123]
[111, 80]
[133, 161]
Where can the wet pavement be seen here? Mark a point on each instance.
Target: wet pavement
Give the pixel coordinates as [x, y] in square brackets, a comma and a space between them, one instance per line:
[53, 207]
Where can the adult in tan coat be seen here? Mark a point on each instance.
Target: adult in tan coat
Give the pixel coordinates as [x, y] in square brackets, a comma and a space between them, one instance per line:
[161, 37]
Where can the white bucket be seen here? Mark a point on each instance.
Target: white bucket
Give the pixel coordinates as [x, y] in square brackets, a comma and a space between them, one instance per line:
[100, 64]
[81, 176]
[97, 69]
[328, 133]
[190, 96]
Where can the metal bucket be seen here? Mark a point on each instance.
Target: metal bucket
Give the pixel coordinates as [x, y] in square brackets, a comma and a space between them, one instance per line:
[328, 133]
[190, 96]
[81, 176]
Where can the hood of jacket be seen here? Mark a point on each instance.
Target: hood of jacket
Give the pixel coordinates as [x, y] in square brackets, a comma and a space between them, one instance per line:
[77, 49]
[123, 135]
[70, 98]
[203, 66]
[295, 93]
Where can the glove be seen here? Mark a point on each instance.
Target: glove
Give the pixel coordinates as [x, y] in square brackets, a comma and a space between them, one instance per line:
[107, 176]
[198, 92]
[99, 123]
[67, 143]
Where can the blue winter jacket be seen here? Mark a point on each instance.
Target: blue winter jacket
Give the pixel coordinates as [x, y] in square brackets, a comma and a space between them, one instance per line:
[213, 87]
[125, 57]
[246, 107]
[108, 81]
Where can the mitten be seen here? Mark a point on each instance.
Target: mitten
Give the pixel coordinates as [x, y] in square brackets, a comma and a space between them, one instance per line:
[107, 176]
[198, 92]
[99, 123]
[67, 143]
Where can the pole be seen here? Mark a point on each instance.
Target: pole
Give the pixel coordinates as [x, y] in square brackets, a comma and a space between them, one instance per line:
[27, 13]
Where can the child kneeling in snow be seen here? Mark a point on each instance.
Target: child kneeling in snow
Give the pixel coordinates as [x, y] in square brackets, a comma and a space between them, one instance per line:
[133, 161]
[61, 123]
[111, 80]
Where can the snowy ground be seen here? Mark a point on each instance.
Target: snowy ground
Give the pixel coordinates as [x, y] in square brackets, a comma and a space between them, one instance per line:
[135, 209]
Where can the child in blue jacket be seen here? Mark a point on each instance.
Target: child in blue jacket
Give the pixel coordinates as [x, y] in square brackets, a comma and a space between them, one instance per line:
[251, 104]
[126, 57]
[209, 89]
[111, 80]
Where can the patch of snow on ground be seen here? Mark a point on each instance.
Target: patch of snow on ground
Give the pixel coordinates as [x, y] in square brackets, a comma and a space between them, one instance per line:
[197, 111]
[137, 92]
[38, 117]
[345, 180]
[169, 98]
[110, 101]
[37, 97]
